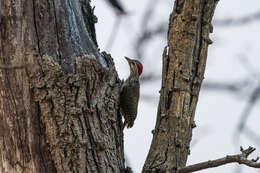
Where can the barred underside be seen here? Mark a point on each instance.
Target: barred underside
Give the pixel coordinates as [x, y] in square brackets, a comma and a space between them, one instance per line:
[129, 100]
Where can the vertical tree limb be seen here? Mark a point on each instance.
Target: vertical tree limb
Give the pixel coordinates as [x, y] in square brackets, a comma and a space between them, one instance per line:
[184, 63]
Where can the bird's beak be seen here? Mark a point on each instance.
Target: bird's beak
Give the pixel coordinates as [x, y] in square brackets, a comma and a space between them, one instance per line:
[128, 59]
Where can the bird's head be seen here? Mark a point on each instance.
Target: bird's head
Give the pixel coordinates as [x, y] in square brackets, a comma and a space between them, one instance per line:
[135, 66]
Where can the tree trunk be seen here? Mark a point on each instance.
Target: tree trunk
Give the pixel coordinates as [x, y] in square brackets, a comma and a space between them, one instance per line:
[59, 112]
[184, 63]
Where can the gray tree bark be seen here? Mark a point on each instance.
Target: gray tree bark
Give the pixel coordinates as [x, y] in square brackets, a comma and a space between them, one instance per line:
[59, 111]
[184, 61]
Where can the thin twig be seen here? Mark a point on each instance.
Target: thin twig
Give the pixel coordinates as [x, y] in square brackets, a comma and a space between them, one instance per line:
[117, 6]
[233, 87]
[113, 34]
[239, 158]
[250, 105]
[252, 135]
[239, 21]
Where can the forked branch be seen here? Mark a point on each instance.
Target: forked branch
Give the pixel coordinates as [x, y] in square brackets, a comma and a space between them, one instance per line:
[239, 158]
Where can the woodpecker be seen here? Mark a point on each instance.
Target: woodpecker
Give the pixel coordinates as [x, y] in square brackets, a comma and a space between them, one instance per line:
[129, 95]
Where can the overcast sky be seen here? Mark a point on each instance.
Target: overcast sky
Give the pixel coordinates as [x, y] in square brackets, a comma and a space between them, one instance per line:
[232, 58]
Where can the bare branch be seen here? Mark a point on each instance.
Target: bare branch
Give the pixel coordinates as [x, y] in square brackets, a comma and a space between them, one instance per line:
[113, 34]
[252, 135]
[232, 87]
[117, 6]
[240, 21]
[11, 66]
[248, 66]
[251, 103]
[239, 158]
[147, 35]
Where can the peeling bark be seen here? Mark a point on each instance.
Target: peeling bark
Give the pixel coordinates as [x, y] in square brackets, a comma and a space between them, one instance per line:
[60, 112]
[184, 63]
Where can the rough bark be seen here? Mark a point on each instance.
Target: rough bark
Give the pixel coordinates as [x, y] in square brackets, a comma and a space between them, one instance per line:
[184, 63]
[59, 112]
